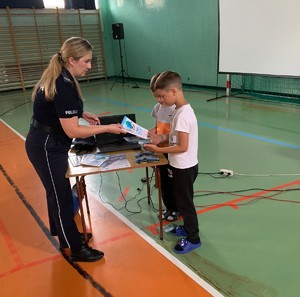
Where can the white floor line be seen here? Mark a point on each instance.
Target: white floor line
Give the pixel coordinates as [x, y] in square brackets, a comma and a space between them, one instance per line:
[12, 129]
[166, 254]
[170, 257]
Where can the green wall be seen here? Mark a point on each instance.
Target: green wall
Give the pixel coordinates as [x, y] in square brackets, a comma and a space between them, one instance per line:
[161, 35]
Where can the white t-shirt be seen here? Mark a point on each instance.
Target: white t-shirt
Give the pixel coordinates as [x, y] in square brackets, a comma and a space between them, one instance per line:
[184, 120]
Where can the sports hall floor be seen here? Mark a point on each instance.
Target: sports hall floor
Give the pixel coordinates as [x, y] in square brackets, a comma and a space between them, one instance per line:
[249, 222]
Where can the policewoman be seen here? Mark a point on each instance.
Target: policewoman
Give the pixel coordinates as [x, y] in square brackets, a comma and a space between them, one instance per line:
[57, 107]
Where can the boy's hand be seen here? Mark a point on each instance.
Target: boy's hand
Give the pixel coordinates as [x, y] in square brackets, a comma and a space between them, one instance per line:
[155, 138]
[151, 147]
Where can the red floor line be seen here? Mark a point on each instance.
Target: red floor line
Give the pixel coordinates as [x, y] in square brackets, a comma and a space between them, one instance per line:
[232, 202]
[124, 194]
[30, 264]
[154, 227]
[115, 238]
[90, 274]
[11, 247]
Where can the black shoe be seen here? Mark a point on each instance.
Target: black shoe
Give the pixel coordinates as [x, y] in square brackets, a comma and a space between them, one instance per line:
[86, 254]
[66, 251]
[89, 236]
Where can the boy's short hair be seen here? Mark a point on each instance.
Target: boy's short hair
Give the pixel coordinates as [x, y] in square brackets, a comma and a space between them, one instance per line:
[165, 80]
[153, 81]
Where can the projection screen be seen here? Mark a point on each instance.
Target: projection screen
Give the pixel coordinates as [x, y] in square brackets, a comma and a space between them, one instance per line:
[259, 37]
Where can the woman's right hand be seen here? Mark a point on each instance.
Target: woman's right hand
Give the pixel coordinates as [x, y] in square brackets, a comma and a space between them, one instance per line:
[115, 129]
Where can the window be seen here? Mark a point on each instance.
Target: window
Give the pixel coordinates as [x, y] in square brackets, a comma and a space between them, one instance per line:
[76, 4]
[54, 3]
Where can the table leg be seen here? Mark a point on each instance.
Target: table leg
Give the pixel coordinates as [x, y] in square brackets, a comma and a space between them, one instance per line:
[85, 195]
[80, 192]
[148, 184]
[157, 174]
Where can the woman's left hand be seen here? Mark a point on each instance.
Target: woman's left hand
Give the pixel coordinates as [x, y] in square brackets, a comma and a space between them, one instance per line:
[90, 118]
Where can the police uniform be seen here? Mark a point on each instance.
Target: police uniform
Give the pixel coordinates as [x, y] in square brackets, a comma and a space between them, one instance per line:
[47, 147]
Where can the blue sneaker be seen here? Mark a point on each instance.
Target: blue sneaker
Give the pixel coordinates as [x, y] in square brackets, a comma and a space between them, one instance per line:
[178, 231]
[184, 246]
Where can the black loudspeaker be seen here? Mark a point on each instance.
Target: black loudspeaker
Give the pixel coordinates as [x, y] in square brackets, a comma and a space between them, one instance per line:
[118, 31]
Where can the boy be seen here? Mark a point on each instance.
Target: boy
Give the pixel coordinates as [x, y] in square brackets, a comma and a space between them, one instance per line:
[159, 135]
[183, 157]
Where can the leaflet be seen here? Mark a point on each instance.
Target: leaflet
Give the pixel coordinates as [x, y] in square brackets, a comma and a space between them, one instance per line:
[93, 159]
[133, 128]
[115, 162]
[75, 160]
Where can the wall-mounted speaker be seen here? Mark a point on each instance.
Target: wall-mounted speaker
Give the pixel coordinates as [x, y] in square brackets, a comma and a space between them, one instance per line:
[118, 31]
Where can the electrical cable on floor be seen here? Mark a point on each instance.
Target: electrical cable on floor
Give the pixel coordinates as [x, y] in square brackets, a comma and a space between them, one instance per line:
[270, 174]
[150, 198]
[205, 193]
[212, 174]
[98, 192]
[127, 200]
[138, 201]
[244, 190]
[251, 200]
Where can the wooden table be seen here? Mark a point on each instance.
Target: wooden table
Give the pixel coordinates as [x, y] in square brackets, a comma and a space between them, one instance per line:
[79, 172]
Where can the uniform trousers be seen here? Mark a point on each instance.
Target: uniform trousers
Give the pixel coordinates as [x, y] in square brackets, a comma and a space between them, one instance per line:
[48, 153]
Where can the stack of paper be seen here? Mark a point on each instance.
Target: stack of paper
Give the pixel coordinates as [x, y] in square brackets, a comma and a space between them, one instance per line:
[93, 159]
[115, 162]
